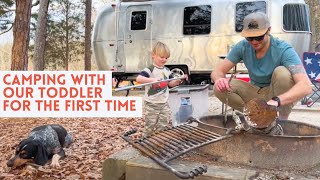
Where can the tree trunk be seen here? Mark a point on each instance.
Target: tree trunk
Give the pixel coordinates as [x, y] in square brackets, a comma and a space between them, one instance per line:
[66, 61]
[41, 36]
[315, 22]
[21, 30]
[87, 38]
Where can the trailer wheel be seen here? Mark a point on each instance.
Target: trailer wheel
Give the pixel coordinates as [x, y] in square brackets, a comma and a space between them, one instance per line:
[177, 72]
[203, 82]
[201, 79]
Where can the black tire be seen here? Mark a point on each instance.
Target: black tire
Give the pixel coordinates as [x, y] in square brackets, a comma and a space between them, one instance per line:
[180, 71]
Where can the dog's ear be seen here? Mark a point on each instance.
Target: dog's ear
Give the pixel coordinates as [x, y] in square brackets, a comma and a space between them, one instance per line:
[42, 155]
[21, 145]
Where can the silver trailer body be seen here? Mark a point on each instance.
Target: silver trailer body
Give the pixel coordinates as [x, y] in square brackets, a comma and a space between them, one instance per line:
[198, 32]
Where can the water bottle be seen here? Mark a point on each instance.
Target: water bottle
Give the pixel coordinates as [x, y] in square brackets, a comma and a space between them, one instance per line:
[185, 110]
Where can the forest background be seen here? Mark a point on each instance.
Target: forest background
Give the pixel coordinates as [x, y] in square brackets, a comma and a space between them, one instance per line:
[56, 34]
[47, 34]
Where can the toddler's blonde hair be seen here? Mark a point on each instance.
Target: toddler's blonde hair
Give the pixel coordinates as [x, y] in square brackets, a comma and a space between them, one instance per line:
[161, 50]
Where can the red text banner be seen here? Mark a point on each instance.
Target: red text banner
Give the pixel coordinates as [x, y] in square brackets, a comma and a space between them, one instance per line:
[63, 94]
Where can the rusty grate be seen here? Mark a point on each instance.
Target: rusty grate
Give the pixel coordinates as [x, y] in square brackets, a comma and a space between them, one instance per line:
[171, 143]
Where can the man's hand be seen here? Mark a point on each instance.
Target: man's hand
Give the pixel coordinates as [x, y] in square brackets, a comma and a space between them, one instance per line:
[275, 101]
[222, 84]
[272, 103]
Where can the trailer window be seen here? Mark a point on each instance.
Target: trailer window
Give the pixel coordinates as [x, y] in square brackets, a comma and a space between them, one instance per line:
[138, 20]
[295, 17]
[245, 8]
[197, 20]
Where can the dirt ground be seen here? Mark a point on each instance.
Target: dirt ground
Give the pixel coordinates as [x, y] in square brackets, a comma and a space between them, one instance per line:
[94, 140]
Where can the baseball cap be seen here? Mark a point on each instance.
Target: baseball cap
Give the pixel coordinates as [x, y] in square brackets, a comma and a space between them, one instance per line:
[255, 24]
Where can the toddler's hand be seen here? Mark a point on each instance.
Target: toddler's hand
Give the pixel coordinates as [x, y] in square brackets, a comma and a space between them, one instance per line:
[186, 77]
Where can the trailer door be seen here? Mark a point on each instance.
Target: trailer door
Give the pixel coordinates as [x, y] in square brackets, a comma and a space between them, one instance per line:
[138, 34]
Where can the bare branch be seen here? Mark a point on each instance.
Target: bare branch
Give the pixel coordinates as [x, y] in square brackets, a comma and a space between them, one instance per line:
[8, 9]
[35, 3]
[6, 30]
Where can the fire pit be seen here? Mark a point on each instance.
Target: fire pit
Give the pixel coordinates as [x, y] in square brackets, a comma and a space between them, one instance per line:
[173, 142]
[298, 148]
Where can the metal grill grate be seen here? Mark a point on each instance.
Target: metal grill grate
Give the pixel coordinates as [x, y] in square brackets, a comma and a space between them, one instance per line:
[171, 143]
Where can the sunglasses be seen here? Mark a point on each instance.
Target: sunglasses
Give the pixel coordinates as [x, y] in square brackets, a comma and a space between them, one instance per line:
[258, 38]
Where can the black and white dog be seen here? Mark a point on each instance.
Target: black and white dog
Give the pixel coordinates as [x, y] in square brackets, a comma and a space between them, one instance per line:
[44, 143]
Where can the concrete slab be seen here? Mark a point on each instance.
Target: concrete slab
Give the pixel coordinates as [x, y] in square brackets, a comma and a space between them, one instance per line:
[143, 168]
[129, 164]
[114, 168]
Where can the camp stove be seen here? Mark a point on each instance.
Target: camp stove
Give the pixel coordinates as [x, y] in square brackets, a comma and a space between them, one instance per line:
[168, 144]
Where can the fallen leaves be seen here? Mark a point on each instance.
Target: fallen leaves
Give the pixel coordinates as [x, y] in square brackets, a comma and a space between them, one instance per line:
[94, 140]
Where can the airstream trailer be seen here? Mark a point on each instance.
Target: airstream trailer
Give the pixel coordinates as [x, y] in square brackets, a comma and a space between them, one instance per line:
[198, 32]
